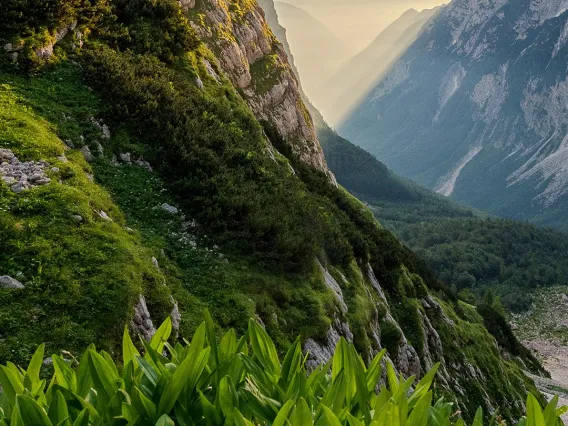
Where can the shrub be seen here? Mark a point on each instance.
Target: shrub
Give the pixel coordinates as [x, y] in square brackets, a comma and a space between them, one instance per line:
[231, 382]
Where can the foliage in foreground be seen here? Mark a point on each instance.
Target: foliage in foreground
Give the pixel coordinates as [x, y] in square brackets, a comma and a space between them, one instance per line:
[233, 382]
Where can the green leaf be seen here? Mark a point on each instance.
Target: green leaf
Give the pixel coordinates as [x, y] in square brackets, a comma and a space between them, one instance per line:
[34, 368]
[264, 349]
[31, 413]
[327, 418]
[212, 415]
[11, 384]
[165, 420]
[478, 420]
[228, 398]
[535, 416]
[129, 351]
[187, 374]
[283, 414]
[302, 414]
[419, 414]
[104, 377]
[211, 336]
[82, 419]
[64, 374]
[58, 412]
[144, 406]
[161, 336]
[374, 371]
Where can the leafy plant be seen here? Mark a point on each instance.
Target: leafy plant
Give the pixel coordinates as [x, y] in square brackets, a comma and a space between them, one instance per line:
[232, 382]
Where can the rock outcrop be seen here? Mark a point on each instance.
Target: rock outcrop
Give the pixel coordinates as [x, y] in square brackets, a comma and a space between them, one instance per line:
[21, 176]
[142, 322]
[8, 282]
[257, 65]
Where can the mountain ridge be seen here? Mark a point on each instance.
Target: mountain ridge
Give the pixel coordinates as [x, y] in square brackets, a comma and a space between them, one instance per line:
[474, 103]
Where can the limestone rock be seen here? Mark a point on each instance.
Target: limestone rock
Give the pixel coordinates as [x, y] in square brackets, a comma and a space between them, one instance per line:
[169, 208]
[175, 315]
[187, 4]
[87, 154]
[106, 131]
[125, 157]
[199, 83]
[142, 322]
[44, 52]
[104, 216]
[8, 282]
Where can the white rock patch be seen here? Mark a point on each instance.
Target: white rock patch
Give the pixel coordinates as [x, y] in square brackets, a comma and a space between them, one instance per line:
[22, 176]
[447, 184]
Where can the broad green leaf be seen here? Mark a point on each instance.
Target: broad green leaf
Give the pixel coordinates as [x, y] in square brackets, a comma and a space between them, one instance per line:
[535, 416]
[165, 420]
[58, 412]
[264, 349]
[34, 367]
[327, 418]
[228, 398]
[104, 377]
[302, 414]
[212, 415]
[11, 384]
[129, 351]
[419, 414]
[31, 413]
[282, 417]
[187, 373]
[161, 336]
[82, 419]
[64, 374]
[210, 326]
[478, 420]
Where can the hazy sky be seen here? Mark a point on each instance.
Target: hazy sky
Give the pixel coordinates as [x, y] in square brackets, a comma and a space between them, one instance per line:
[360, 21]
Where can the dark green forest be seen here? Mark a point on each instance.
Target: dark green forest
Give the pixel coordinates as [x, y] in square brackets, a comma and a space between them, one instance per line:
[465, 247]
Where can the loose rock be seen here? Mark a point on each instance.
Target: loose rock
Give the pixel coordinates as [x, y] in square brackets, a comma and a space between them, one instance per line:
[8, 282]
[169, 209]
[125, 157]
[87, 153]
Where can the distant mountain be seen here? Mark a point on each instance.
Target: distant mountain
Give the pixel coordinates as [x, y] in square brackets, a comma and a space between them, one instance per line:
[318, 52]
[346, 88]
[477, 108]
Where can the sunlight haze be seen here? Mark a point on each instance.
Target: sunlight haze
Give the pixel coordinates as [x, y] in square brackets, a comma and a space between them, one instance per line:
[358, 22]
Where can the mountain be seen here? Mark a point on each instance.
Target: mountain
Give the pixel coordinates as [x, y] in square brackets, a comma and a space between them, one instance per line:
[346, 88]
[318, 52]
[482, 93]
[157, 160]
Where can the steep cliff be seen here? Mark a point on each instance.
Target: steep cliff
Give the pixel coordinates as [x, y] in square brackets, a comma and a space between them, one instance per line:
[483, 91]
[173, 193]
[257, 64]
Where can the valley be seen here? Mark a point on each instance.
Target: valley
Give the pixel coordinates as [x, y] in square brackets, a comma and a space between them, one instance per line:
[544, 330]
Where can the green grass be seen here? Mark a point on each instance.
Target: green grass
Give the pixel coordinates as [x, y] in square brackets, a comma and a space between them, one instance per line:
[82, 279]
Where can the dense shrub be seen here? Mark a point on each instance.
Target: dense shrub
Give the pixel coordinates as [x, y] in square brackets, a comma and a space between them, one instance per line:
[231, 382]
[24, 18]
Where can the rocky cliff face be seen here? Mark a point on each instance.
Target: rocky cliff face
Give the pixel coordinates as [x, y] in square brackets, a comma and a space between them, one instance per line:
[257, 65]
[483, 91]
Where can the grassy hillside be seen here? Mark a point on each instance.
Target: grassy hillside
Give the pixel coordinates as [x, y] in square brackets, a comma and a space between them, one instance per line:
[258, 233]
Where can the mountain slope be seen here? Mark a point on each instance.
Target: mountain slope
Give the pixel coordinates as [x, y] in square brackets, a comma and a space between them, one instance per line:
[223, 213]
[318, 53]
[346, 88]
[482, 93]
